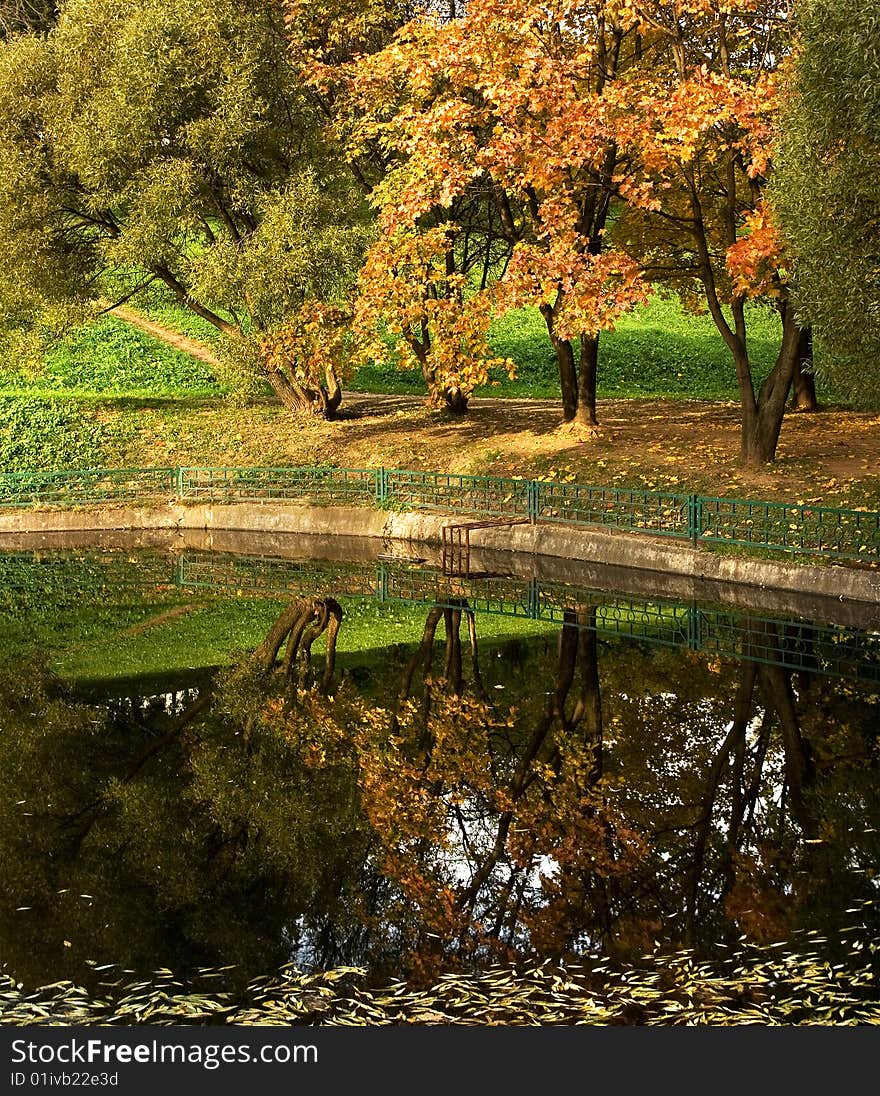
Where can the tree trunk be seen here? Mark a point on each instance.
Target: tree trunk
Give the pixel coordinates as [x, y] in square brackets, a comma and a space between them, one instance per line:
[588, 368]
[451, 395]
[322, 401]
[717, 770]
[455, 399]
[568, 378]
[762, 415]
[799, 765]
[452, 670]
[588, 712]
[803, 385]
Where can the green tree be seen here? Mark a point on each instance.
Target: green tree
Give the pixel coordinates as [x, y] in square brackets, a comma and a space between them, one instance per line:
[173, 143]
[827, 190]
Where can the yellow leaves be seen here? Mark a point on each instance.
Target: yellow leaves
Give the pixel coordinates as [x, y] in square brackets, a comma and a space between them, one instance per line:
[406, 288]
[754, 261]
[307, 344]
[587, 292]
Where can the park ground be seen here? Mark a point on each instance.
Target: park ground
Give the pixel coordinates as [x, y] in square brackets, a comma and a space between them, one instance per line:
[660, 445]
[142, 390]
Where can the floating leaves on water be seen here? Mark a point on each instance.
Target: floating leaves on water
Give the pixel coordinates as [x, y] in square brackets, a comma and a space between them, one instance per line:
[750, 985]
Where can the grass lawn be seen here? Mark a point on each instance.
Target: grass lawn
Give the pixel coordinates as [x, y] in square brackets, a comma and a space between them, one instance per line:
[91, 626]
[657, 350]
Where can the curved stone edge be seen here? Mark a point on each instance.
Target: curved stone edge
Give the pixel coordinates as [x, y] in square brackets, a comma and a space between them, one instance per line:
[604, 546]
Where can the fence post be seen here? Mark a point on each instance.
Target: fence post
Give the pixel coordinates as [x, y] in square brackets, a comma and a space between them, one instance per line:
[534, 600]
[381, 486]
[694, 519]
[179, 481]
[533, 500]
[695, 630]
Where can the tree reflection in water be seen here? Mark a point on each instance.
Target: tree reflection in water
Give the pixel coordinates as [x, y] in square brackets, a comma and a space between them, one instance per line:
[605, 797]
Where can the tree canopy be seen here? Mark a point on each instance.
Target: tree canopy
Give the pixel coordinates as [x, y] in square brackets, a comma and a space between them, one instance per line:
[600, 147]
[827, 192]
[171, 143]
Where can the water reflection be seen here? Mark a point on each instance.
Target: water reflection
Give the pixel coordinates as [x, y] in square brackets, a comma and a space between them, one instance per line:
[439, 803]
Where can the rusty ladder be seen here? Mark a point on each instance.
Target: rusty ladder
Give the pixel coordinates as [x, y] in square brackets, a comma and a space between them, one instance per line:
[457, 542]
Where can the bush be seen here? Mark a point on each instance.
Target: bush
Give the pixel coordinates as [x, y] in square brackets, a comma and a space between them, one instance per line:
[50, 434]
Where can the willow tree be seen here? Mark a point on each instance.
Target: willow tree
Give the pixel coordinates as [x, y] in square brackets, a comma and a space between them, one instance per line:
[827, 189]
[174, 143]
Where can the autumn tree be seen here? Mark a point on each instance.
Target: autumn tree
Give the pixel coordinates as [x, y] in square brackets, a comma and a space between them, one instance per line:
[502, 172]
[700, 122]
[617, 144]
[174, 144]
[827, 187]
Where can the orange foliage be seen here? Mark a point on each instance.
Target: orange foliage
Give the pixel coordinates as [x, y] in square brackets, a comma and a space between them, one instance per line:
[754, 262]
[407, 295]
[507, 111]
[309, 345]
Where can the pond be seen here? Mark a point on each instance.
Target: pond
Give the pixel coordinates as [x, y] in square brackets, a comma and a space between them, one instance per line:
[216, 765]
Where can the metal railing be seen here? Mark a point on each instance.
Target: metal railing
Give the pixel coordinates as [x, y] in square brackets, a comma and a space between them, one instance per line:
[795, 529]
[85, 485]
[657, 512]
[453, 493]
[357, 485]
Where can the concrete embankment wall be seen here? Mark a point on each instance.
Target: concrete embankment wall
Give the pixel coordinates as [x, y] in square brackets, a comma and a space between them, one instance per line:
[600, 546]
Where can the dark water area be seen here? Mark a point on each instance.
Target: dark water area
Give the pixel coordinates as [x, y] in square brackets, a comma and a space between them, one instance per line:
[467, 769]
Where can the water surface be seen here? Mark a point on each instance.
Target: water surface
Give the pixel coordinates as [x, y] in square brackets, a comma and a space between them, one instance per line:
[500, 768]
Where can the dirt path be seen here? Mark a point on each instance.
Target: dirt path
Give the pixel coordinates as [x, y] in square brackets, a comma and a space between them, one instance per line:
[159, 331]
[161, 618]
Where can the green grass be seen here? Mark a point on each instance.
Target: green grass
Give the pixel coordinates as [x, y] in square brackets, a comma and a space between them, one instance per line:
[214, 634]
[657, 350]
[54, 419]
[95, 624]
[111, 358]
[180, 319]
[51, 433]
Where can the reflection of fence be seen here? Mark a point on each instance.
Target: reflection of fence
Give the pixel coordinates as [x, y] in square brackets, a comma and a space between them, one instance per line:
[774, 526]
[55, 578]
[798, 645]
[829, 649]
[264, 575]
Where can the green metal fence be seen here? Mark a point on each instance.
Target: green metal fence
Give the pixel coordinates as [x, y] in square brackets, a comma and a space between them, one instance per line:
[453, 493]
[820, 530]
[356, 485]
[88, 485]
[266, 575]
[852, 535]
[655, 512]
